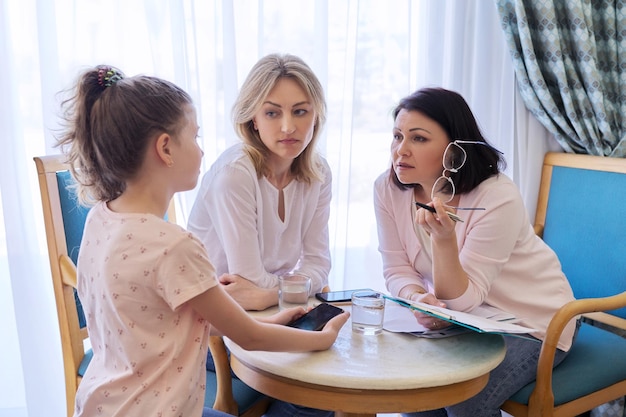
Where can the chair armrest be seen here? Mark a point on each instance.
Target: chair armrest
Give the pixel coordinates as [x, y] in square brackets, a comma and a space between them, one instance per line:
[68, 271]
[607, 319]
[541, 400]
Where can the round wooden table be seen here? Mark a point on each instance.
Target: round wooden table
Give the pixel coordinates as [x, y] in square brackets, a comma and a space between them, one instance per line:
[364, 375]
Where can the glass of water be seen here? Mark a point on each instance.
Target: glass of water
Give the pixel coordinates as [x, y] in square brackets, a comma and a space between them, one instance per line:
[293, 291]
[368, 312]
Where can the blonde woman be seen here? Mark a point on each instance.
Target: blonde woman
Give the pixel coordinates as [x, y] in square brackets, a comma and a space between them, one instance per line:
[262, 209]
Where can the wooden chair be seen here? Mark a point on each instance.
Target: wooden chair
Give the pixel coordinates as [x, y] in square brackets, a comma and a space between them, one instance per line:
[580, 214]
[64, 220]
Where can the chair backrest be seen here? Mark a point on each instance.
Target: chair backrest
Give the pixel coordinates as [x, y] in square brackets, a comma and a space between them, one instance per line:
[581, 213]
[64, 220]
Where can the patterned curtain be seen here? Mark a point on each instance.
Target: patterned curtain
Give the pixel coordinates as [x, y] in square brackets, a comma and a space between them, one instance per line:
[570, 61]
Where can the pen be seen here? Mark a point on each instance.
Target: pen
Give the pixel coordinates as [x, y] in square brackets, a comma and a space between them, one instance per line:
[432, 210]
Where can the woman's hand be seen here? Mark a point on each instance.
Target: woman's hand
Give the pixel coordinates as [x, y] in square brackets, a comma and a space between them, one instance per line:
[438, 224]
[449, 278]
[247, 294]
[427, 320]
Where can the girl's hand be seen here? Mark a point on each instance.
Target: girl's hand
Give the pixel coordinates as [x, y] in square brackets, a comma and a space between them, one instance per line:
[336, 323]
[285, 316]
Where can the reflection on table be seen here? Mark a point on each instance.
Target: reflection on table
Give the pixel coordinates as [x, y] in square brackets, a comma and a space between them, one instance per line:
[364, 375]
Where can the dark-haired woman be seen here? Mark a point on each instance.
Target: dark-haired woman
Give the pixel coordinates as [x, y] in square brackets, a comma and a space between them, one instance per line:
[477, 247]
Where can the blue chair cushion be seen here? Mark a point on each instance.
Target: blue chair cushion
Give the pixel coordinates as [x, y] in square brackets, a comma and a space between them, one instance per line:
[82, 368]
[596, 360]
[245, 396]
[74, 214]
[74, 217]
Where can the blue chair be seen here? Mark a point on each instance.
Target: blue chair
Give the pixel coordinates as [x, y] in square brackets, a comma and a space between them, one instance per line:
[64, 220]
[580, 215]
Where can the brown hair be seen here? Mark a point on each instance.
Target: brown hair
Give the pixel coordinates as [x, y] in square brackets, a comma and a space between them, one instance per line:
[109, 125]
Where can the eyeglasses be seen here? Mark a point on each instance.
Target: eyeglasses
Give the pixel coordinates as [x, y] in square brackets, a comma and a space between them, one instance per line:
[454, 158]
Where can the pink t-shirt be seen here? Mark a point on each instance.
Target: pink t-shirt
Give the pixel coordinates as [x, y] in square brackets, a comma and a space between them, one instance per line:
[135, 274]
[509, 267]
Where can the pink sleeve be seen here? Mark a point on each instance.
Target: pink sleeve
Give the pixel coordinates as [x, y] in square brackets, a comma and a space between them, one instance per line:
[393, 220]
[488, 238]
[184, 271]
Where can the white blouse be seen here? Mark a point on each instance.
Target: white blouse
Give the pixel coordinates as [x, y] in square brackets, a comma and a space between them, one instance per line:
[235, 215]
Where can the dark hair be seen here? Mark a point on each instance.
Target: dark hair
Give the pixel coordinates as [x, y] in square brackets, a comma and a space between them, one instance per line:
[452, 113]
[110, 121]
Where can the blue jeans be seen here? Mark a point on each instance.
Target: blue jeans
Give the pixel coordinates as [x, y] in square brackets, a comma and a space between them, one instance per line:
[209, 412]
[517, 370]
[283, 409]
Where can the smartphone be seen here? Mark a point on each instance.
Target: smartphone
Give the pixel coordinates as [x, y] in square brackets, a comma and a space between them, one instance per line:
[338, 296]
[316, 318]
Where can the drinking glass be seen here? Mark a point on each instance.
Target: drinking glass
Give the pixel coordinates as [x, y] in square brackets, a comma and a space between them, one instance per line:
[293, 291]
[368, 312]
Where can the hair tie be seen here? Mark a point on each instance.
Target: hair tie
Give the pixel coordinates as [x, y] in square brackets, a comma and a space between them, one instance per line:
[107, 76]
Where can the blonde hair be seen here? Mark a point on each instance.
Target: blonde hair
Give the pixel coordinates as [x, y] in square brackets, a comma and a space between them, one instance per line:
[255, 89]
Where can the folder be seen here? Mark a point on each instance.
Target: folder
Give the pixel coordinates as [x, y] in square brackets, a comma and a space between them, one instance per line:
[501, 324]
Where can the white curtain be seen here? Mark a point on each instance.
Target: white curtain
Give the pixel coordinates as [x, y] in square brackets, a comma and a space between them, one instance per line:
[367, 53]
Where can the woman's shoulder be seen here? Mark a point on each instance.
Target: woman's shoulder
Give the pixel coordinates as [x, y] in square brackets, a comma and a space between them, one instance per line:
[384, 185]
[235, 156]
[497, 190]
[497, 184]
[233, 164]
[382, 180]
[387, 192]
[322, 162]
[324, 168]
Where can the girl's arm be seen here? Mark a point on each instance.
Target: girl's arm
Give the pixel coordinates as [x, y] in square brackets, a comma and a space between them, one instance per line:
[219, 309]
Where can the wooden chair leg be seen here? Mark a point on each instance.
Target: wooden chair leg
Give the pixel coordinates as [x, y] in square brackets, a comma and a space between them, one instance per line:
[224, 400]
